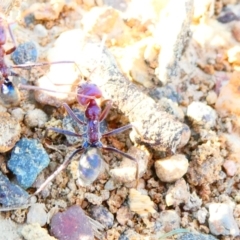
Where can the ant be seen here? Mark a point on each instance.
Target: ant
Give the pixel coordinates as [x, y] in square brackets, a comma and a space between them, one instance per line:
[90, 160]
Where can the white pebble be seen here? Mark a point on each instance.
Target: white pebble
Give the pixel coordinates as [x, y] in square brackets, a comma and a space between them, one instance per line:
[202, 113]
[18, 114]
[172, 168]
[37, 214]
[35, 118]
[40, 31]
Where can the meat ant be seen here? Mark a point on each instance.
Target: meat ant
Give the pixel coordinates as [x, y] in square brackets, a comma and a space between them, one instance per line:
[90, 160]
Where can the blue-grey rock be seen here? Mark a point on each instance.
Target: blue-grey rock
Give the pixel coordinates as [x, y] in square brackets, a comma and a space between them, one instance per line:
[195, 236]
[25, 52]
[27, 160]
[11, 194]
[102, 215]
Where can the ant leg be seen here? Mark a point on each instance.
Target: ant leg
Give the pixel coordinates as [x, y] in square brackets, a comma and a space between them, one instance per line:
[105, 111]
[59, 169]
[125, 155]
[65, 132]
[11, 50]
[118, 130]
[72, 114]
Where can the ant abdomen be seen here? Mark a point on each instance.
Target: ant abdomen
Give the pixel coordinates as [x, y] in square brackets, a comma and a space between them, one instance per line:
[89, 166]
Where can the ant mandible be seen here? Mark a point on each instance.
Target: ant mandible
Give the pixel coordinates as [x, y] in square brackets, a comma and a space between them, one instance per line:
[90, 161]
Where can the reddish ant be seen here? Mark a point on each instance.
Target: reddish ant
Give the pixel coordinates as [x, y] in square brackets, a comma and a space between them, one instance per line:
[91, 160]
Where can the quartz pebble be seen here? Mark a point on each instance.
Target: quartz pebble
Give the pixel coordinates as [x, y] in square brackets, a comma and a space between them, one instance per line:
[10, 131]
[40, 31]
[230, 167]
[27, 160]
[11, 194]
[25, 52]
[18, 114]
[102, 215]
[9, 229]
[221, 220]
[34, 231]
[172, 168]
[35, 118]
[37, 214]
[202, 114]
[72, 224]
[178, 194]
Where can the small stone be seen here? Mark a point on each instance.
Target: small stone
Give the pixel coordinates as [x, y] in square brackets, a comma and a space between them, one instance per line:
[178, 194]
[229, 98]
[202, 114]
[169, 220]
[211, 98]
[236, 30]
[126, 172]
[72, 224]
[230, 167]
[40, 31]
[102, 215]
[227, 17]
[34, 231]
[35, 118]
[9, 229]
[37, 214]
[18, 114]
[201, 215]
[196, 236]
[25, 52]
[124, 215]
[140, 204]
[172, 168]
[10, 131]
[28, 159]
[11, 194]
[221, 220]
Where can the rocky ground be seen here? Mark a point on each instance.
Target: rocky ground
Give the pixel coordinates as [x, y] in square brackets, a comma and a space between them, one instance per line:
[171, 69]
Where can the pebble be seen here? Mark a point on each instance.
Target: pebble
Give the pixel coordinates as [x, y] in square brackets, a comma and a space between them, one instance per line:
[177, 194]
[172, 168]
[11, 194]
[37, 214]
[25, 52]
[124, 214]
[34, 231]
[10, 131]
[35, 118]
[126, 172]
[169, 220]
[201, 215]
[9, 229]
[102, 215]
[221, 220]
[230, 167]
[72, 224]
[236, 30]
[195, 236]
[229, 98]
[227, 17]
[202, 114]
[28, 159]
[40, 31]
[140, 204]
[18, 114]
